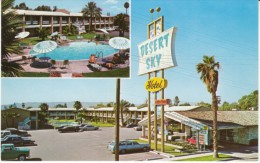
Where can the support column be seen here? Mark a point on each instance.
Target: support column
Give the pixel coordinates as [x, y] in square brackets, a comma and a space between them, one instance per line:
[37, 121]
[40, 22]
[24, 23]
[95, 23]
[100, 25]
[142, 115]
[162, 118]
[135, 117]
[60, 22]
[155, 118]
[52, 24]
[69, 20]
[148, 113]
[107, 117]
[143, 131]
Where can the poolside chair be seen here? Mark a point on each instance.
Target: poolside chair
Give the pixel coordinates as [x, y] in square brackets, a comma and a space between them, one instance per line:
[53, 63]
[94, 67]
[65, 64]
[109, 65]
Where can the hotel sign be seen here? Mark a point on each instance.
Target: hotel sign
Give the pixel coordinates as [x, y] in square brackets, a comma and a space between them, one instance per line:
[158, 52]
[155, 84]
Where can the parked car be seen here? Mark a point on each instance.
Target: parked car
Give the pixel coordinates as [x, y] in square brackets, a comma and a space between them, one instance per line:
[88, 128]
[17, 140]
[15, 131]
[192, 140]
[4, 133]
[131, 125]
[69, 129]
[9, 152]
[138, 128]
[128, 146]
[61, 126]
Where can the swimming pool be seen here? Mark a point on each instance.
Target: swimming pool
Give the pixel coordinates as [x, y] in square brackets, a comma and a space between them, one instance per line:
[77, 51]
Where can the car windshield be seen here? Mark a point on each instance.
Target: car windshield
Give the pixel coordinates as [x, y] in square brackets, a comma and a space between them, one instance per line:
[6, 137]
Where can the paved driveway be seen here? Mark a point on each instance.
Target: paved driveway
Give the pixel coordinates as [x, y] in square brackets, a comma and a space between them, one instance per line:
[241, 152]
[84, 146]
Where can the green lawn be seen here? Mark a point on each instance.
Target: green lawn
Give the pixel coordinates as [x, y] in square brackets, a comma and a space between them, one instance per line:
[123, 72]
[32, 40]
[167, 149]
[100, 124]
[35, 74]
[209, 158]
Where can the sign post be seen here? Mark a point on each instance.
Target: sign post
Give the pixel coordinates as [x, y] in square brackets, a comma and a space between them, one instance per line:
[156, 54]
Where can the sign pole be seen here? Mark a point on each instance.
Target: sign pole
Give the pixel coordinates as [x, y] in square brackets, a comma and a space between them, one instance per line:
[155, 118]
[149, 113]
[162, 118]
[117, 119]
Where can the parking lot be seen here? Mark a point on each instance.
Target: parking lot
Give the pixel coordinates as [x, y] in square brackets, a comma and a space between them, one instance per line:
[82, 146]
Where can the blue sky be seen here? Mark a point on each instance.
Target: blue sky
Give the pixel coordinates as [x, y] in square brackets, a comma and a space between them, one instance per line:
[112, 6]
[226, 29]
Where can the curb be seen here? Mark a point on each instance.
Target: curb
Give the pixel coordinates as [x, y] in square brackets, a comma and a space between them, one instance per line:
[163, 154]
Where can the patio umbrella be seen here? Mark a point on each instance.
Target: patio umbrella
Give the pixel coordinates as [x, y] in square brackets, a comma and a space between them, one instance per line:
[54, 33]
[119, 43]
[22, 35]
[45, 46]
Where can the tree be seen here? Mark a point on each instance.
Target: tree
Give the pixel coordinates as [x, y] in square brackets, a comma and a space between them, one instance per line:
[44, 107]
[126, 6]
[120, 20]
[23, 105]
[207, 105]
[92, 11]
[70, 29]
[10, 21]
[123, 108]
[77, 105]
[110, 104]
[185, 104]
[249, 101]
[55, 8]
[43, 33]
[209, 75]
[82, 115]
[43, 8]
[22, 6]
[176, 101]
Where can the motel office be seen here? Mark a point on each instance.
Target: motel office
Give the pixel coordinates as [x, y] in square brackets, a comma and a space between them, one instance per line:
[239, 127]
[57, 20]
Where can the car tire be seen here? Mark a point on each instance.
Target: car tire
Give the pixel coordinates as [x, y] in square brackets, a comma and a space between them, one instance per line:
[123, 151]
[21, 158]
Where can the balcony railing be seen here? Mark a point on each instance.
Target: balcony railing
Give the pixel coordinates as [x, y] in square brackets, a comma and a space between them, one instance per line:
[28, 22]
[55, 22]
[64, 21]
[35, 22]
[45, 22]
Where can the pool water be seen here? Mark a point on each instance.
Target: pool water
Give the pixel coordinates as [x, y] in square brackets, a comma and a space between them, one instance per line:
[78, 51]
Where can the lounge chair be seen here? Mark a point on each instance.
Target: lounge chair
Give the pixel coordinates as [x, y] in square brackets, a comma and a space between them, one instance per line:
[65, 64]
[94, 67]
[109, 65]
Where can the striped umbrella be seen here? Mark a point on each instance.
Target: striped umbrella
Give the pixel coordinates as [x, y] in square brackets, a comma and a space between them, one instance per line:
[119, 43]
[45, 46]
[22, 35]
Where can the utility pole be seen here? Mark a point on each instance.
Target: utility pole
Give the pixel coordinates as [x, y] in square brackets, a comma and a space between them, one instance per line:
[117, 119]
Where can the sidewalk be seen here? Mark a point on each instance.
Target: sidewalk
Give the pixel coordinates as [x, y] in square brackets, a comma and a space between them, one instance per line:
[184, 157]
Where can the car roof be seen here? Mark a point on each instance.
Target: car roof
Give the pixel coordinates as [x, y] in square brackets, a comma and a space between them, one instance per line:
[5, 131]
[13, 135]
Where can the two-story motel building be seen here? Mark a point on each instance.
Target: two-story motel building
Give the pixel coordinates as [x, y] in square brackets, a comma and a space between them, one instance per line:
[57, 20]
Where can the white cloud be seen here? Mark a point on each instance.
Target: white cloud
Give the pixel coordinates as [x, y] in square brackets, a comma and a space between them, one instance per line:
[111, 1]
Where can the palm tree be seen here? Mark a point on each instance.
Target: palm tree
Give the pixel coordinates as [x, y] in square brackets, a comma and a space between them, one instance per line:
[120, 20]
[123, 108]
[77, 105]
[43, 33]
[209, 76]
[44, 108]
[10, 22]
[126, 6]
[92, 11]
[69, 29]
